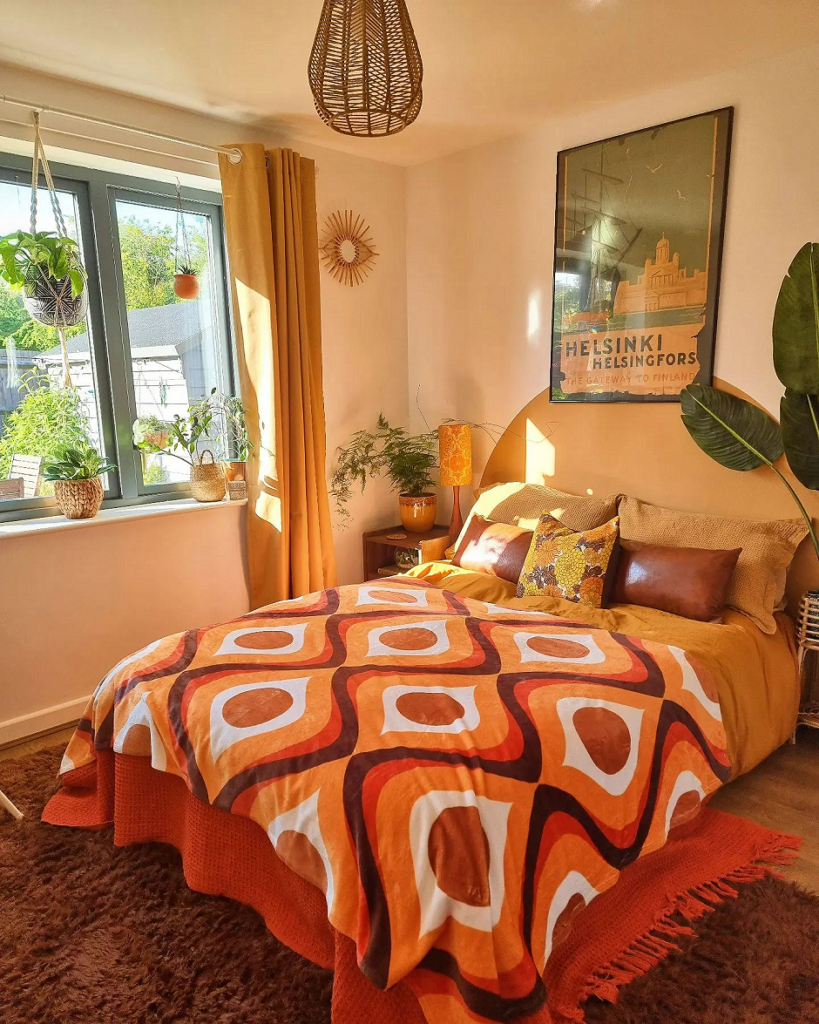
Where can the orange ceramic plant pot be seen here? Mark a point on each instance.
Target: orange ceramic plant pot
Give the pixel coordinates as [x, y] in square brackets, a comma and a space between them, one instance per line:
[186, 286]
[417, 512]
[234, 471]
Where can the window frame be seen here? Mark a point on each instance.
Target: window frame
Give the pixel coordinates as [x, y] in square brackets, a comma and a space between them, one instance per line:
[96, 195]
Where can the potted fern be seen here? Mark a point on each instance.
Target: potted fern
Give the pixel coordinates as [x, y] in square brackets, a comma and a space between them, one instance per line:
[76, 472]
[408, 461]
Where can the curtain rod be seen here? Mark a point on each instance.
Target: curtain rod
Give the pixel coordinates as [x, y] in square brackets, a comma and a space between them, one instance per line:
[234, 155]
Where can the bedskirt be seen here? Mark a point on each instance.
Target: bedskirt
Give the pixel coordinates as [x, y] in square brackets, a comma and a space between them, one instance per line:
[228, 855]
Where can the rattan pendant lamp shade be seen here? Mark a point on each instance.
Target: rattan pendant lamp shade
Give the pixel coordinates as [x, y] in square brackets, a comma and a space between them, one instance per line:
[365, 67]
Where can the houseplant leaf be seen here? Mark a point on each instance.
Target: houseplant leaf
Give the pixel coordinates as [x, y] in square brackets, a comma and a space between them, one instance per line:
[800, 432]
[733, 432]
[796, 323]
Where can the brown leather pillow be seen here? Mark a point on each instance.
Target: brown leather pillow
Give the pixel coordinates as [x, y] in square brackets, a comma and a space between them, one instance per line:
[498, 549]
[692, 582]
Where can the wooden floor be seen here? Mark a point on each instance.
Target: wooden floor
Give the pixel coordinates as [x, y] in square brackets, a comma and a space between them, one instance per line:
[782, 793]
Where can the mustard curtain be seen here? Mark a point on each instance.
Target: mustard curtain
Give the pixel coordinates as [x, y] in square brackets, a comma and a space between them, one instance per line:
[272, 240]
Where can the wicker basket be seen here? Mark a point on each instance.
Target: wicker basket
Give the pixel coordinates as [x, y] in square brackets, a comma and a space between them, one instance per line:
[79, 499]
[207, 479]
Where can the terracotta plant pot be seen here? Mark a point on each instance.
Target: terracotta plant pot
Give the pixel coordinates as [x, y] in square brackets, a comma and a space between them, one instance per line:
[79, 499]
[417, 513]
[234, 471]
[186, 286]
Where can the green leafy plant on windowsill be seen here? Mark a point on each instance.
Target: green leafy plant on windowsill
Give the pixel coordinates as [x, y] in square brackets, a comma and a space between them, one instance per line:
[179, 437]
[82, 462]
[406, 459]
[238, 443]
[741, 436]
[216, 418]
[25, 257]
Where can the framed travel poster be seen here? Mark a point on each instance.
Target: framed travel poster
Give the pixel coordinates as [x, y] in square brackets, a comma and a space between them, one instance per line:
[638, 239]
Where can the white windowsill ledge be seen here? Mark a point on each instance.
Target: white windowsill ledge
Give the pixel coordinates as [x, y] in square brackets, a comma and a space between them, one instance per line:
[126, 513]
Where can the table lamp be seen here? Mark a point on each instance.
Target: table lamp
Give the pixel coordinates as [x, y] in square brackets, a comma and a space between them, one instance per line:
[455, 457]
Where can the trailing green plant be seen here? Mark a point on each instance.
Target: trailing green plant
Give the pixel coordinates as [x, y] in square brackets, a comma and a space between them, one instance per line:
[739, 435]
[407, 459]
[48, 419]
[82, 462]
[25, 257]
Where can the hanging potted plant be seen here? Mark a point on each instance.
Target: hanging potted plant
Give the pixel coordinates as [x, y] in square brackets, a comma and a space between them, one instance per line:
[151, 430]
[76, 472]
[406, 459]
[46, 265]
[47, 268]
[185, 281]
[182, 440]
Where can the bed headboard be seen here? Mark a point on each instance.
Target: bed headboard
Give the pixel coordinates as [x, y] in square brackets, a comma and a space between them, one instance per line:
[644, 450]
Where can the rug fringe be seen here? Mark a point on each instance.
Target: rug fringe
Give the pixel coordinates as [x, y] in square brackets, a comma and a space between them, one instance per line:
[654, 946]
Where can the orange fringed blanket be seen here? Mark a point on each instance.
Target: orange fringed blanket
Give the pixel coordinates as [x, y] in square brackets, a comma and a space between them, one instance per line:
[459, 779]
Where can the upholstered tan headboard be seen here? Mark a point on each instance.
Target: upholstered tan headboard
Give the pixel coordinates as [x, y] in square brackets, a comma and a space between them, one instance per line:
[644, 450]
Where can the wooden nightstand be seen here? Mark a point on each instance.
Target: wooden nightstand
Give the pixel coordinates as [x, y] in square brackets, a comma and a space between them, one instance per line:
[380, 545]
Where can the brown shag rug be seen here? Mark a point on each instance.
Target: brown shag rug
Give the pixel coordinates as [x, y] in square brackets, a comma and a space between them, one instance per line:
[92, 933]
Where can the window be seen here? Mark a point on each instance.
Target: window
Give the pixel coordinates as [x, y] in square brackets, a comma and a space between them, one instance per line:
[141, 350]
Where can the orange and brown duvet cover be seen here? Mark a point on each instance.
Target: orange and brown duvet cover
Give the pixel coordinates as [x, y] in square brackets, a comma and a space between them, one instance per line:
[458, 778]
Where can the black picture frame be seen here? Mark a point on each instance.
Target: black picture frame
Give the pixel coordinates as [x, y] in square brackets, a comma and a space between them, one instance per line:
[629, 326]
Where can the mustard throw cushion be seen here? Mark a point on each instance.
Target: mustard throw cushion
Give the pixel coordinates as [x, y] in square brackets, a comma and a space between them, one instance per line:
[520, 504]
[567, 563]
[758, 584]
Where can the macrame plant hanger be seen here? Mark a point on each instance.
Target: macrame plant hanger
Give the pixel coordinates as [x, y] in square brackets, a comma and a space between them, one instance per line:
[39, 155]
[181, 231]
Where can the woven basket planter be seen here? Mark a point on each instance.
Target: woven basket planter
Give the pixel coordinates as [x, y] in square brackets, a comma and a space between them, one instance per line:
[79, 499]
[207, 479]
[52, 304]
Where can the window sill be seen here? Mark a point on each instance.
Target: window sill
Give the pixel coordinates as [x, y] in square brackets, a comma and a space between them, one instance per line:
[126, 513]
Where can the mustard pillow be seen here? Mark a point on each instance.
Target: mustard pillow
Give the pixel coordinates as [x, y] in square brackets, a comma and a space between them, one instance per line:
[568, 564]
[521, 505]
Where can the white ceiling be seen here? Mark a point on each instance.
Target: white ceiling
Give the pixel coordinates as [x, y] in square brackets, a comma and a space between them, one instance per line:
[492, 67]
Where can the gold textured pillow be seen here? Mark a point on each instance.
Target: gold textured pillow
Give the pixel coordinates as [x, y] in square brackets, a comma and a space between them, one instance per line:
[523, 504]
[758, 584]
[567, 563]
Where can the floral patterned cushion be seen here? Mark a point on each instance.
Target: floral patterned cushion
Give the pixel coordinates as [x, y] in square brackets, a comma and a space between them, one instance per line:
[564, 563]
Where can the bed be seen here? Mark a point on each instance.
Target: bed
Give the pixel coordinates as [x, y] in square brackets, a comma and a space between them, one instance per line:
[423, 782]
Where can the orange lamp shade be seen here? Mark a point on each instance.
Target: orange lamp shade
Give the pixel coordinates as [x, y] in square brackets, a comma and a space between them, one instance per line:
[455, 454]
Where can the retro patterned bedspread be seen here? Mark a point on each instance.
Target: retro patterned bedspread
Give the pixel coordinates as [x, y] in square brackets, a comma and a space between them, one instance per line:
[459, 778]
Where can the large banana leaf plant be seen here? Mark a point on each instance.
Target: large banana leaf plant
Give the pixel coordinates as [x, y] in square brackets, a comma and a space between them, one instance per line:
[739, 435]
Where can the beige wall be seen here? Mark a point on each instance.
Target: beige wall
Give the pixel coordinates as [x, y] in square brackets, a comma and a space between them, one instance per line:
[75, 601]
[72, 603]
[480, 236]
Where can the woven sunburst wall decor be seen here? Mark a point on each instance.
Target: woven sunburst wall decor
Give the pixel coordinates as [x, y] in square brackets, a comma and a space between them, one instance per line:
[346, 247]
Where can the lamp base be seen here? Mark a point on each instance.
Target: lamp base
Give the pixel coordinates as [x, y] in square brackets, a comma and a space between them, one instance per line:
[456, 523]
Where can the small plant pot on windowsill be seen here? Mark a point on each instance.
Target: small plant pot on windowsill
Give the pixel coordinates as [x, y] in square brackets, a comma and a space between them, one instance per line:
[235, 471]
[79, 499]
[417, 511]
[207, 479]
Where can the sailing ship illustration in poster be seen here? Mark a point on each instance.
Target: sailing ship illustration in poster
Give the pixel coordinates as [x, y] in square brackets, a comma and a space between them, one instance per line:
[638, 239]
